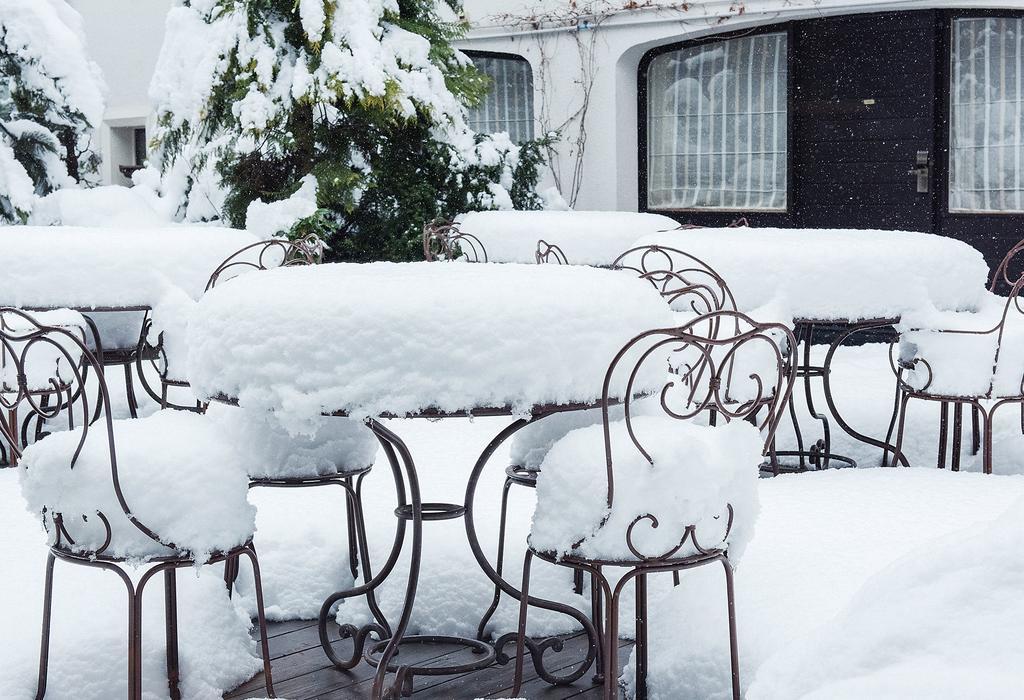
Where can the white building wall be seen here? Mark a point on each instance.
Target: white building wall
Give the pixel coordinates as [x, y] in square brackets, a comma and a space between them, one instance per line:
[124, 38]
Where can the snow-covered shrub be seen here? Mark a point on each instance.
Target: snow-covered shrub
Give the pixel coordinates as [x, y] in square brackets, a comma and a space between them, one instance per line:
[51, 99]
[367, 96]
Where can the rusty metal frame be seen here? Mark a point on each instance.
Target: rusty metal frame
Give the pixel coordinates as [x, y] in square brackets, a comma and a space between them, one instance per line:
[70, 371]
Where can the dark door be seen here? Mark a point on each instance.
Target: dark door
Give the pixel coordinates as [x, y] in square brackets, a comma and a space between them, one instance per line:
[864, 117]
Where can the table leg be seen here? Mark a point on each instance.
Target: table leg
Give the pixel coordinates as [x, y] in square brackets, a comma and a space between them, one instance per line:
[886, 446]
[537, 649]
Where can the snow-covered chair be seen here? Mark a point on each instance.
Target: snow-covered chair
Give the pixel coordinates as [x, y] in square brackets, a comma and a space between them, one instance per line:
[166, 355]
[971, 359]
[162, 492]
[444, 240]
[662, 490]
[44, 399]
[692, 288]
[550, 253]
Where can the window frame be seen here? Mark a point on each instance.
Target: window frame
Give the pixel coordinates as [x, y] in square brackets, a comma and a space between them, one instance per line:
[944, 112]
[718, 215]
[505, 55]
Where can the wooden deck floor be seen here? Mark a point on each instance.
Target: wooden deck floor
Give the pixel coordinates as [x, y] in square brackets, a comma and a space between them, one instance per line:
[302, 671]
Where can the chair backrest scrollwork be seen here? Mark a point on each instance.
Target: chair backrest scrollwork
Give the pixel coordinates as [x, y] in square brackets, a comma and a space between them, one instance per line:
[268, 254]
[685, 281]
[550, 253]
[744, 372]
[1002, 275]
[444, 240]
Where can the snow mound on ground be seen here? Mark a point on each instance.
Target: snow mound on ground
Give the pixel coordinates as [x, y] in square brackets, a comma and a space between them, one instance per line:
[113, 267]
[108, 206]
[942, 622]
[586, 237]
[871, 274]
[178, 474]
[416, 336]
[697, 470]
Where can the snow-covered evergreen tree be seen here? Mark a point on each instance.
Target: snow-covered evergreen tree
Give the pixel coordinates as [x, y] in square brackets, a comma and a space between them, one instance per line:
[368, 96]
[51, 100]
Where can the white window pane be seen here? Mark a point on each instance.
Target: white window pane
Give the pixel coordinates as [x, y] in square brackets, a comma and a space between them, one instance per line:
[986, 146]
[509, 104]
[716, 129]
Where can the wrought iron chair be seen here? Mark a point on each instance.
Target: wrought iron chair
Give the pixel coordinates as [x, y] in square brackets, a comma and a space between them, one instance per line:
[999, 381]
[51, 400]
[444, 240]
[264, 255]
[741, 371]
[92, 523]
[688, 285]
[550, 253]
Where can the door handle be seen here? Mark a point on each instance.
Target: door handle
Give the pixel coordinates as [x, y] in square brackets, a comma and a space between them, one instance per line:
[923, 171]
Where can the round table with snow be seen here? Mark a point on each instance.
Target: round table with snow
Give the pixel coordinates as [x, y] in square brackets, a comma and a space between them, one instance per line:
[115, 276]
[836, 283]
[426, 340]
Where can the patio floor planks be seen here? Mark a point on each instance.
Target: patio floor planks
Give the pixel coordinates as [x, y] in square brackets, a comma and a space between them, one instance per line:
[302, 671]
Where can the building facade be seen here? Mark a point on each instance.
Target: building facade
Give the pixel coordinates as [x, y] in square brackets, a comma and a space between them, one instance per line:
[812, 113]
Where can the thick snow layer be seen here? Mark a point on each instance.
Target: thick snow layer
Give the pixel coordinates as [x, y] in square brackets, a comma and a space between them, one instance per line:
[338, 445]
[110, 267]
[695, 473]
[837, 273]
[398, 338]
[586, 237]
[180, 477]
[531, 444]
[111, 206]
[962, 364]
[888, 641]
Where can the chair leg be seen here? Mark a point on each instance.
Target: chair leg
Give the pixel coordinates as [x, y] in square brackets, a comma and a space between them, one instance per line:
[268, 680]
[230, 573]
[734, 651]
[596, 614]
[353, 544]
[976, 428]
[171, 624]
[44, 646]
[481, 628]
[900, 425]
[958, 419]
[129, 391]
[364, 553]
[943, 433]
[521, 632]
[640, 649]
[611, 645]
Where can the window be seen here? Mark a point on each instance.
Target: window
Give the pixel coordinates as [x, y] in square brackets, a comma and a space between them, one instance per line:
[509, 104]
[986, 115]
[716, 125]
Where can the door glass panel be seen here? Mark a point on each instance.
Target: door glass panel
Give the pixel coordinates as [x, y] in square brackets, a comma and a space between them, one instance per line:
[717, 126]
[986, 144]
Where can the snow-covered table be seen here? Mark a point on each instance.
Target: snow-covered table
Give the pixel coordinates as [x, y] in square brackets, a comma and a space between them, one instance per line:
[421, 340]
[115, 275]
[841, 281]
[586, 237]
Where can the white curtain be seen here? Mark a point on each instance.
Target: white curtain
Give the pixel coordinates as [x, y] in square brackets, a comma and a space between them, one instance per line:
[509, 105]
[986, 115]
[716, 127]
